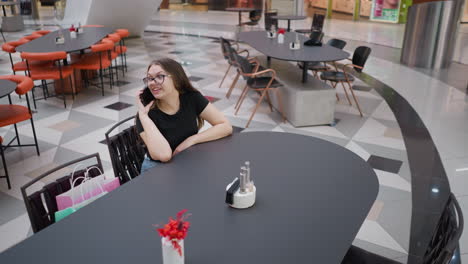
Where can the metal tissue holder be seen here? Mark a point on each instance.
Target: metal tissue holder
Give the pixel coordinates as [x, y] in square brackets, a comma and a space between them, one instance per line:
[241, 192]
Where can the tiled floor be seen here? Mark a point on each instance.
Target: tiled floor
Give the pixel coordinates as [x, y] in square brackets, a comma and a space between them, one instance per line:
[65, 134]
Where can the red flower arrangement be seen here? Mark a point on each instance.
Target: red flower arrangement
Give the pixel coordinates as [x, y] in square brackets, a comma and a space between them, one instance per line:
[281, 31]
[176, 230]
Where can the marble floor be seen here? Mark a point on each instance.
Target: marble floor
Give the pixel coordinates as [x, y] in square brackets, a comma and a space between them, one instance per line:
[66, 134]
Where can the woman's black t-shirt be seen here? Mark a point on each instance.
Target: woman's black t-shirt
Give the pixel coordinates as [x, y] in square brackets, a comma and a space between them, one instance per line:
[181, 125]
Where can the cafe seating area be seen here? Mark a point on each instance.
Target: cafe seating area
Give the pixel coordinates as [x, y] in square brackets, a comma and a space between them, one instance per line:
[327, 144]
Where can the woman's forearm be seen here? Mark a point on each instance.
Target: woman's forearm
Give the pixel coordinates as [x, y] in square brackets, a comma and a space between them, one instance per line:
[158, 147]
[215, 132]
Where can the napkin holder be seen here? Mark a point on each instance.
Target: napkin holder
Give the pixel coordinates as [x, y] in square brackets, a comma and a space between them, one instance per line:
[271, 34]
[236, 199]
[59, 40]
[294, 45]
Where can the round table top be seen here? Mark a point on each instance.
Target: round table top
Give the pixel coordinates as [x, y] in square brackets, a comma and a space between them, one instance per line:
[240, 9]
[46, 43]
[6, 87]
[270, 47]
[312, 198]
[290, 17]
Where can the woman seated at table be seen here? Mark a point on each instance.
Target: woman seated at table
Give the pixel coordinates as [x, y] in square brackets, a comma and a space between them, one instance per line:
[171, 111]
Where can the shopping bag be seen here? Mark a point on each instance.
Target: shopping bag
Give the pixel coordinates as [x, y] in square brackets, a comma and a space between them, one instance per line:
[61, 214]
[68, 198]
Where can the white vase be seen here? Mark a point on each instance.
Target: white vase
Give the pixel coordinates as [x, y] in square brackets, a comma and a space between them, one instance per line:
[281, 38]
[170, 254]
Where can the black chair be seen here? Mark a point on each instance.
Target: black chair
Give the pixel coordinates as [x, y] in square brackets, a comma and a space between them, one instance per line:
[258, 81]
[441, 248]
[270, 21]
[317, 25]
[360, 56]
[224, 50]
[127, 151]
[41, 205]
[316, 67]
[254, 17]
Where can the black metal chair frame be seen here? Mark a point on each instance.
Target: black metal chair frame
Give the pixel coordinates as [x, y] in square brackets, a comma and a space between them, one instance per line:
[126, 150]
[5, 167]
[16, 137]
[41, 205]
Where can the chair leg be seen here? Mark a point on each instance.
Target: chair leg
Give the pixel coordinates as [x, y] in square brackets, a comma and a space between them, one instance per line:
[256, 107]
[241, 99]
[337, 97]
[346, 93]
[34, 97]
[225, 76]
[355, 99]
[72, 86]
[269, 101]
[5, 167]
[241, 95]
[125, 59]
[63, 93]
[102, 81]
[17, 135]
[228, 94]
[35, 137]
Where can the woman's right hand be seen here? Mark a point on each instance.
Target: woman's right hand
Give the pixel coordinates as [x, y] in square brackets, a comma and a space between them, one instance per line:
[142, 109]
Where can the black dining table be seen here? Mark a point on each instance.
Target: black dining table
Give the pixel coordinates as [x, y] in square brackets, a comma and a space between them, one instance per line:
[6, 87]
[272, 49]
[46, 43]
[240, 10]
[289, 18]
[312, 198]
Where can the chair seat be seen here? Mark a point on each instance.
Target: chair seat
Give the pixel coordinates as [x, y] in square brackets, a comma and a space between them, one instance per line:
[22, 66]
[261, 82]
[314, 66]
[91, 62]
[114, 55]
[121, 49]
[250, 23]
[12, 114]
[335, 76]
[50, 73]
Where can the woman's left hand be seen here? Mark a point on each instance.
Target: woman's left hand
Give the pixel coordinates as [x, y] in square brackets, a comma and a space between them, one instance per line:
[187, 143]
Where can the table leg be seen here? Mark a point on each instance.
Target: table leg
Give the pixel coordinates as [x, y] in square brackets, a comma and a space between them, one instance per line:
[304, 71]
[268, 61]
[289, 25]
[4, 11]
[240, 18]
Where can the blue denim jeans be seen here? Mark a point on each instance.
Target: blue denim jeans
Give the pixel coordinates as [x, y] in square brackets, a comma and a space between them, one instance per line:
[148, 164]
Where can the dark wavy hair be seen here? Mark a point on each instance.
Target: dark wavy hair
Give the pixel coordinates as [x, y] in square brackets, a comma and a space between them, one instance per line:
[179, 78]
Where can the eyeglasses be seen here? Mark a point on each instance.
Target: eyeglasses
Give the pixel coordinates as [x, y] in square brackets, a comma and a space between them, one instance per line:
[159, 79]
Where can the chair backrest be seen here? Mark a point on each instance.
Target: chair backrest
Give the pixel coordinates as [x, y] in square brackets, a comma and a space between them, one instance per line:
[123, 33]
[270, 21]
[317, 22]
[23, 83]
[445, 239]
[337, 43]
[255, 15]
[224, 50]
[243, 64]
[44, 56]
[316, 36]
[127, 151]
[102, 46]
[360, 56]
[41, 205]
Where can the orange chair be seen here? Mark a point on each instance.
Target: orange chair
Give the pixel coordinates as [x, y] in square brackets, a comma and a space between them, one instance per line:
[54, 72]
[122, 49]
[114, 54]
[12, 114]
[10, 47]
[41, 32]
[99, 59]
[4, 164]
[32, 36]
